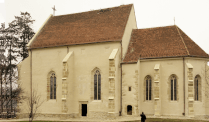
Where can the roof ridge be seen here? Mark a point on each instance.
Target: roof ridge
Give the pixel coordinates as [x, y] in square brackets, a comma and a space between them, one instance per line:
[82, 12]
[155, 27]
[182, 40]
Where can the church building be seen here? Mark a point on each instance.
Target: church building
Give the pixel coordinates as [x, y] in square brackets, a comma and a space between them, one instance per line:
[97, 64]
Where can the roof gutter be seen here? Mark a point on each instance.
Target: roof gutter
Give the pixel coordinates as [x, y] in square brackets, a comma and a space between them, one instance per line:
[165, 57]
[39, 31]
[76, 44]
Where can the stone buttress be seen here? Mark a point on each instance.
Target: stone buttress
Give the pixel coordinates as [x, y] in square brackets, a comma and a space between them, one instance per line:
[112, 73]
[65, 72]
[190, 90]
[157, 100]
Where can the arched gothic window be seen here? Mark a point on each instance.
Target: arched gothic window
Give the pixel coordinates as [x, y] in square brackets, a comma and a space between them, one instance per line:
[97, 85]
[148, 87]
[197, 88]
[53, 86]
[173, 88]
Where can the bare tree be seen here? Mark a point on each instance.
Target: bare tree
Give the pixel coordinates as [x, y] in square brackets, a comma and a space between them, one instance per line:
[10, 93]
[13, 41]
[33, 102]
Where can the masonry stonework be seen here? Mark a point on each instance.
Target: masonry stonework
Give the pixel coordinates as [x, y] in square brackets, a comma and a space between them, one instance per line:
[157, 96]
[136, 88]
[111, 103]
[190, 90]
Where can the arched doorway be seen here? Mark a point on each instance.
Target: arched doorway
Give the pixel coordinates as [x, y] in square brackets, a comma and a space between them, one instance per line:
[129, 110]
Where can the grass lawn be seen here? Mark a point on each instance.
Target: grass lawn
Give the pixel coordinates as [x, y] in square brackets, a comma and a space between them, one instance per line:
[172, 120]
[152, 120]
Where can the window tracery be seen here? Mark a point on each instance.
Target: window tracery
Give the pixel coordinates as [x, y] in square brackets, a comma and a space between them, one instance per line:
[197, 88]
[97, 85]
[173, 88]
[53, 86]
[148, 82]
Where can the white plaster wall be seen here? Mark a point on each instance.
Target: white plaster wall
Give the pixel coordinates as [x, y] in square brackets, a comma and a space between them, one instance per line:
[207, 93]
[199, 69]
[131, 24]
[170, 67]
[44, 61]
[128, 98]
[167, 68]
[24, 81]
[85, 59]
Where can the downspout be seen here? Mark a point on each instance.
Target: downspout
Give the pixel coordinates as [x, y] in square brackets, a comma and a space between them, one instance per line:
[121, 80]
[184, 83]
[183, 65]
[31, 80]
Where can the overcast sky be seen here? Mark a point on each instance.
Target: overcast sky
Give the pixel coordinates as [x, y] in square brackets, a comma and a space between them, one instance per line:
[192, 16]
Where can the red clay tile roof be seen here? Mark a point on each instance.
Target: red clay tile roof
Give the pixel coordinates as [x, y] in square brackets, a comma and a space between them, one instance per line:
[169, 41]
[87, 27]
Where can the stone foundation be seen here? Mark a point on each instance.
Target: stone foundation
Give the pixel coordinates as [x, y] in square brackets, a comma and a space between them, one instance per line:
[91, 115]
[103, 116]
[60, 116]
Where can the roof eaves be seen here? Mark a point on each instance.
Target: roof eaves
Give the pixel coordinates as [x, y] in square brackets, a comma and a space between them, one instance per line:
[75, 44]
[130, 62]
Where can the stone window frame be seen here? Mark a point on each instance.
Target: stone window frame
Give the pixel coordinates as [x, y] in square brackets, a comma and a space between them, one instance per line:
[169, 88]
[49, 83]
[92, 84]
[129, 88]
[198, 89]
[148, 76]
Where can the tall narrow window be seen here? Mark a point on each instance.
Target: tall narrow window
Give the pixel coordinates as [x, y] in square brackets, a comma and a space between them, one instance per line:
[53, 86]
[148, 85]
[173, 88]
[197, 88]
[97, 85]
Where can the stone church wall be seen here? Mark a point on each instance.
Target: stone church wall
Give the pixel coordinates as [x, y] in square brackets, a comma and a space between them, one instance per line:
[198, 64]
[45, 61]
[84, 60]
[87, 58]
[130, 89]
[117, 68]
[167, 68]
[24, 80]
[207, 92]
